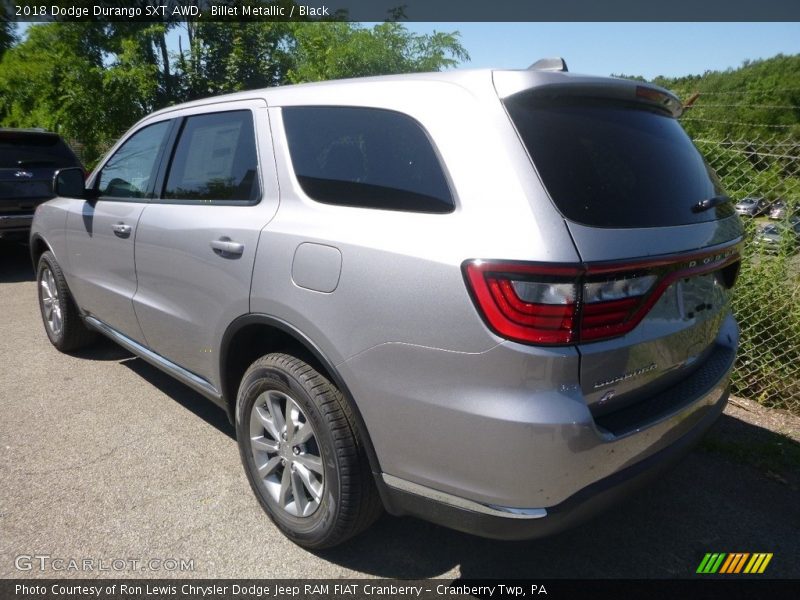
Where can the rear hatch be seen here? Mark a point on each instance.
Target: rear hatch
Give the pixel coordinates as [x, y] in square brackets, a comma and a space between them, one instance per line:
[656, 234]
[28, 160]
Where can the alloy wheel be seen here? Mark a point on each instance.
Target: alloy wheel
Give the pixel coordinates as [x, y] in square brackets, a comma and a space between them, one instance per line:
[51, 302]
[286, 453]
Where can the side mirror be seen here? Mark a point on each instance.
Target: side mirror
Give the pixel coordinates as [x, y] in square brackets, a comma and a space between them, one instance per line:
[69, 183]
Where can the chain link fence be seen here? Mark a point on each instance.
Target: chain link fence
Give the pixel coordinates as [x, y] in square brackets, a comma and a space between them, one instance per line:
[767, 297]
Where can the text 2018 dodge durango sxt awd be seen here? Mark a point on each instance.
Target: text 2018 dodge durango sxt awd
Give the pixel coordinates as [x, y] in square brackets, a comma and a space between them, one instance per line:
[496, 300]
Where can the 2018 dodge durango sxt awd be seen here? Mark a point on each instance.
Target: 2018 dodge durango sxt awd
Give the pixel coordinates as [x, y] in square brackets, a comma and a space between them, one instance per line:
[493, 299]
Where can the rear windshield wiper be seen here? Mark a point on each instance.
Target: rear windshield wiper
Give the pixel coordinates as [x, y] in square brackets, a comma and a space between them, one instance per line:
[708, 203]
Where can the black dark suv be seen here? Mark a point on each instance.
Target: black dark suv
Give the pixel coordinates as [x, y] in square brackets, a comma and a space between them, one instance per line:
[28, 160]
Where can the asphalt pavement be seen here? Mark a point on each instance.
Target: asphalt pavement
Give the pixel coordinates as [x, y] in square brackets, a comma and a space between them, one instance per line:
[104, 458]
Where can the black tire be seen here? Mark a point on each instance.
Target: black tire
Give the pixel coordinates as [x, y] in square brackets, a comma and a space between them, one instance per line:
[72, 333]
[349, 501]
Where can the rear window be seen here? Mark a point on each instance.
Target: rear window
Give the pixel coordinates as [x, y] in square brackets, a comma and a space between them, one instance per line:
[365, 157]
[608, 164]
[25, 149]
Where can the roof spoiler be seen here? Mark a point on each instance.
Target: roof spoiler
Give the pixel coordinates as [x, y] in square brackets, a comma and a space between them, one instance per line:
[549, 84]
[549, 64]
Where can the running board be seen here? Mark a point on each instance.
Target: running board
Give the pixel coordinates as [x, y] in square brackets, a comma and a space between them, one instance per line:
[195, 382]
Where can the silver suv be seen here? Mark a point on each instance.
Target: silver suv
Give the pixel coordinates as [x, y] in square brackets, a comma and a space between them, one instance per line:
[496, 300]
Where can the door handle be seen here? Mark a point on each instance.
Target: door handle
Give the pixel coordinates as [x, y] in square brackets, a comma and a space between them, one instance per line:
[121, 230]
[226, 247]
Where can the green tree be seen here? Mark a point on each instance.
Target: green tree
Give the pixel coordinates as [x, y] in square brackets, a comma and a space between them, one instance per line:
[52, 80]
[91, 81]
[322, 51]
[8, 36]
[759, 99]
[233, 56]
[8, 30]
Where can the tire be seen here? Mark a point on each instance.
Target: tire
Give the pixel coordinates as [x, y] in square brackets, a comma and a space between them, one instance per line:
[325, 466]
[62, 321]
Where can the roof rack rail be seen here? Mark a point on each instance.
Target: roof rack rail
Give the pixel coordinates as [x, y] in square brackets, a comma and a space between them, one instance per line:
[549, 64]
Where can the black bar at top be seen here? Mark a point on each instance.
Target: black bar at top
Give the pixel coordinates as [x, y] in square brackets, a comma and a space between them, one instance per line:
[406, 10]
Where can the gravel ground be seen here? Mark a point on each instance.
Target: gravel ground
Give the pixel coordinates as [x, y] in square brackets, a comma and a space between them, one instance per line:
[104, 457]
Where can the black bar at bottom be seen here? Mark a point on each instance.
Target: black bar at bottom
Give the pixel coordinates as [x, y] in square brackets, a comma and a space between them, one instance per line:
[704, 586]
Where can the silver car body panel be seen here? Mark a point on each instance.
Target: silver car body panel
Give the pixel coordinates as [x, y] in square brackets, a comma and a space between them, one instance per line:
[455, 422]
[102, 272]
[187, 292]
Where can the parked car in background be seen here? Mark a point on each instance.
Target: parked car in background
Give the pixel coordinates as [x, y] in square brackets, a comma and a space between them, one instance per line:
[751, 207]
[779, 237]
[778, 210]
[28, 160]
[497, 300]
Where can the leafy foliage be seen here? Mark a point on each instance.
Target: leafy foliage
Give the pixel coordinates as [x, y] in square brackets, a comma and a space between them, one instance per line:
[91, 81]
[746, 122]
[8, 36]
[324, 51]
[759, 98]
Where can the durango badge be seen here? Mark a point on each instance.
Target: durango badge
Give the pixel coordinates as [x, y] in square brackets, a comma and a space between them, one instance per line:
[626, 376]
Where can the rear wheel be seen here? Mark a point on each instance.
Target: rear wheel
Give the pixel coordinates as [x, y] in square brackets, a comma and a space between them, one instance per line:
[62, 321]
[301, 452]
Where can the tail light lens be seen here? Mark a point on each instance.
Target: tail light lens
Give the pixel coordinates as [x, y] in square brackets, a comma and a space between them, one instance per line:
[567, 304]
[608, 304]
[526, 303]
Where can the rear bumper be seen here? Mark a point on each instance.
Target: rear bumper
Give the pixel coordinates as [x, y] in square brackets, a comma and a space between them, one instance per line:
[489, 521]
[480, 443]
[16, 225]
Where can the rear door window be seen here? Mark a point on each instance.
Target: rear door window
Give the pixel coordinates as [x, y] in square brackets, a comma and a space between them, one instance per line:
[215, 159]
[365, 157]
[609, 164]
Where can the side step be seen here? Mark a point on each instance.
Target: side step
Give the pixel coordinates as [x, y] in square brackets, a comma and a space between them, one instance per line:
[195, 382]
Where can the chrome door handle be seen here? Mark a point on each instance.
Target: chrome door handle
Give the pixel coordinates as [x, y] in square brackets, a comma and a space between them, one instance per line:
[121, 230]
[226, 247]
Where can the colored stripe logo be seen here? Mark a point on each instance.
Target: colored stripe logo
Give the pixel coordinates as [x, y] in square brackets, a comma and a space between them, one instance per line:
[734, 563]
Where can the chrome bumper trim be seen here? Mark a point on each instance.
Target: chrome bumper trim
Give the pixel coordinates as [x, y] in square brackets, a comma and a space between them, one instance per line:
[458, 502]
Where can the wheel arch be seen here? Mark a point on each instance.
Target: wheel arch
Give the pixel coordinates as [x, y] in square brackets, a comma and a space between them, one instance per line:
[38, 247]
[253, 335]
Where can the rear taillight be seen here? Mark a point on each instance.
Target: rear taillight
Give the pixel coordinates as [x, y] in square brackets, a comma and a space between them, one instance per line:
[566, 304]
[526, 303]
[610, 303]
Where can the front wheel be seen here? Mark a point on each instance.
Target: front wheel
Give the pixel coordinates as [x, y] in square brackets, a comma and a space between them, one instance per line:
[302, 453]
[62, 321]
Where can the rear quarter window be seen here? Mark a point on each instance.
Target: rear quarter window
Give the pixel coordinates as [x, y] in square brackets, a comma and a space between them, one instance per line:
[365, 157]
[613, 164]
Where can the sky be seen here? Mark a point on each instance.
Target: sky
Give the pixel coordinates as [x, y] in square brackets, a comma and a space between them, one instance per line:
[647, 49]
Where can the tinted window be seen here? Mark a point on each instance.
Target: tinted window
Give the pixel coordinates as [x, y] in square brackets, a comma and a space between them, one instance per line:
[613, 165]
[215, 159]
[28, 149]
[128, 173]
[365, 157]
